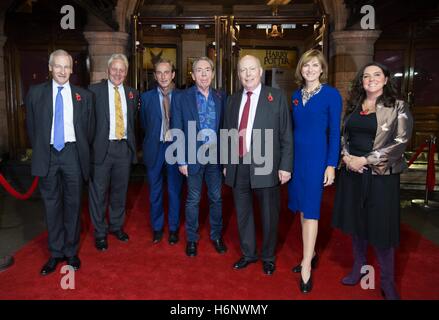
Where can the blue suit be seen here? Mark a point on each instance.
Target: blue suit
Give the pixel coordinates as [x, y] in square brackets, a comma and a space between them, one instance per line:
[154, 159]
[185, 110]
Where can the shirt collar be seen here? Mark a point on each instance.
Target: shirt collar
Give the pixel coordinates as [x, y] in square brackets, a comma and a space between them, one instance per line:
[257, 90]
[55, 85]
[112, 85]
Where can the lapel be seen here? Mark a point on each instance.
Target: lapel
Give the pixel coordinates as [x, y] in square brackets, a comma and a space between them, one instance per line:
[106, 102]
[157, 107]
[194, 105]
[129, 98]
[236, 103]
[261, 109]
[382, 115]
[76, 104]
[47, 103]
[218, 102]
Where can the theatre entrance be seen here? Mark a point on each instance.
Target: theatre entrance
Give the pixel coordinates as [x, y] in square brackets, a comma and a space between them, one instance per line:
[276, 40]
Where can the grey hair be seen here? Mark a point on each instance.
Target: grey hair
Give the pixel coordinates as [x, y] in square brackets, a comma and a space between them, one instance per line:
[204, 58]
[60, 52]
[118, 56]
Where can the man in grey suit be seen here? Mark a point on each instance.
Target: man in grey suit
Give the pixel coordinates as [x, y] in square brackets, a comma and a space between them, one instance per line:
[113, 151]
[262, 118]
[60, 125]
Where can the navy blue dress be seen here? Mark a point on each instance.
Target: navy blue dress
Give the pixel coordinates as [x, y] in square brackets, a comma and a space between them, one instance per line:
[316, 146]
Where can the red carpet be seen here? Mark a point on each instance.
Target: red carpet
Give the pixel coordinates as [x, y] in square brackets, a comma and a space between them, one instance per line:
[140, 270]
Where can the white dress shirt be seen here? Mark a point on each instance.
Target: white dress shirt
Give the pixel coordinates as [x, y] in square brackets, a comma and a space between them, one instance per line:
[112, 106]
[254, 98]
[66, 93]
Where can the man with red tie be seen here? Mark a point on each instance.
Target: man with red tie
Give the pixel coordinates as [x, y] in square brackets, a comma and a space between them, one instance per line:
[257, 110]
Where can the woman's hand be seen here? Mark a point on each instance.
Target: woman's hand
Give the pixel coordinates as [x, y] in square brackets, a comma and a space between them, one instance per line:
[329, 176]
[357, 164]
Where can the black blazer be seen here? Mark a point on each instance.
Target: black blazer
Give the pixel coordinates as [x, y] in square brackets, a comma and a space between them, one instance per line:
[272, 113]
[102, 112]
[39, 117]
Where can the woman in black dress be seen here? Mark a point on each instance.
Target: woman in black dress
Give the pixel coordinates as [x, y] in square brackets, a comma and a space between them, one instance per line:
[376, 131]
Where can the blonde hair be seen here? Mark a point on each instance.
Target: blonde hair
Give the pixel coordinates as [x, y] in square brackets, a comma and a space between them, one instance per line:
[118, 56]
[305, 58]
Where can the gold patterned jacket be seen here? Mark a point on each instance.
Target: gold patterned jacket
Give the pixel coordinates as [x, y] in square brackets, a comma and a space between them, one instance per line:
[394, 129]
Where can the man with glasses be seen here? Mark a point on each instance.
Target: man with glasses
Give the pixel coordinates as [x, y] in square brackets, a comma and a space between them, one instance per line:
[113, 151]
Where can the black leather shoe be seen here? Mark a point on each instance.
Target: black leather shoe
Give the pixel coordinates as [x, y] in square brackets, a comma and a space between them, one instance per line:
[173, 237]
[306, 287]
[157, 236]
[50, 266]
[101, 244]
[219, 245]
[121, 235]
[242, 263]
[191, 249]
[314, 261]
[74, 262]
[269, 267]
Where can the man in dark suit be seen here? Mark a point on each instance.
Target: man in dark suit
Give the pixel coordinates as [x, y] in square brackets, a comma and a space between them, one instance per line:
[155, 118]
[60, 124]
[113, 151]
[262, 118]
[198, 112]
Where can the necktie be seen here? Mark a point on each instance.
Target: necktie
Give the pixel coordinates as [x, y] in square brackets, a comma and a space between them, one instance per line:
[120, 128]
[167, 113]
[58, 127]
[243, 126]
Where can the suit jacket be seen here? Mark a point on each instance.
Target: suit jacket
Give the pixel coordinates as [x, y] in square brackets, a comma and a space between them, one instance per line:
[394, 129]
[39, 117]
[102, 111]
[184, 109]
[272, 112]
[151, 120]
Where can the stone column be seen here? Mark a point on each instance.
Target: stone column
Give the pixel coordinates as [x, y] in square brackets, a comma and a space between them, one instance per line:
[4, 145]
[350, 50]
[101, 45]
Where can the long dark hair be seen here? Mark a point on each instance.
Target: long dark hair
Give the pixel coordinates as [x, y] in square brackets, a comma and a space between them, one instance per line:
[357, 94]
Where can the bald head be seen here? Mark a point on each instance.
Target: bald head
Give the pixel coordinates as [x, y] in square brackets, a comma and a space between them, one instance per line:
[249, 72]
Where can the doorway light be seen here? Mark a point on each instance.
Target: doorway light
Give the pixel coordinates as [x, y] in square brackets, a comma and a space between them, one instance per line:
[191, 26]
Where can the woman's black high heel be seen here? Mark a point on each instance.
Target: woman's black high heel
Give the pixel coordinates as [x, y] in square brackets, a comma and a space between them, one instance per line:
[306, 287]
[314, 261]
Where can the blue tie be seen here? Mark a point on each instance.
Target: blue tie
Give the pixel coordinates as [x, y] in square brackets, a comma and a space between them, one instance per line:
[58, 134]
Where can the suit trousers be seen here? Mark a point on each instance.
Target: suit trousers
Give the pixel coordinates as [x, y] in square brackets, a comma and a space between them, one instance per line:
[110, 180]
[155, 175]
[269, 201]
[61, 191]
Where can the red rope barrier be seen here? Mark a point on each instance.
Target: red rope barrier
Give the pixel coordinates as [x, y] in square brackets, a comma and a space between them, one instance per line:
[16, 194]
[417, 153]
[431, 170]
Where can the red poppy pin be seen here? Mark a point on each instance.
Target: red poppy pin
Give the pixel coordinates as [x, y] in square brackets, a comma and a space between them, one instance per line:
[78, 97]
[295, 102]
[131, 95]
[270, 97]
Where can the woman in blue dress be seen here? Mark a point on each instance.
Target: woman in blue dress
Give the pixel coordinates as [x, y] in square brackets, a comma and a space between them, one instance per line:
[316, 111]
